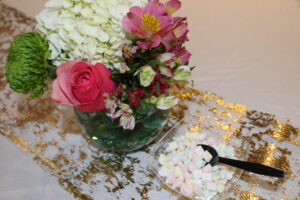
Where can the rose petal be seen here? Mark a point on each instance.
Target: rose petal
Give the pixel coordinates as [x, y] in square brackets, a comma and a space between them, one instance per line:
[59, 96]
[89, 90]
[109, 86]
[64, 72]
[94, 106]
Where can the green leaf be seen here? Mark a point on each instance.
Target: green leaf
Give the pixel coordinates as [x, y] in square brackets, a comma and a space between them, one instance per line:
[134, 67]
[154, 63]
[116, 76]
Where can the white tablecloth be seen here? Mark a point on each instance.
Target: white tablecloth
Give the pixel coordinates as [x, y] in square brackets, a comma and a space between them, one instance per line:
[246, 51]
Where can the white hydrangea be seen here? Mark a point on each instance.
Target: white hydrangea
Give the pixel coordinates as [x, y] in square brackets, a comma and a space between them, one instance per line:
[88, 30]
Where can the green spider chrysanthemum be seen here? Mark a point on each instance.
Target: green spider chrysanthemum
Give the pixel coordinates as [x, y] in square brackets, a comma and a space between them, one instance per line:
[27, 64]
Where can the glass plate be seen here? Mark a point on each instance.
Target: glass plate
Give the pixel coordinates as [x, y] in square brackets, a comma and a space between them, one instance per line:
[238, 142]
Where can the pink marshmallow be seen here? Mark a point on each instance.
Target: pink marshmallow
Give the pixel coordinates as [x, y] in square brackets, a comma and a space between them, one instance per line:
[192, 167]
[177, 183]
[207, 169]
[198, 190]
[186, 174]
[170, 179]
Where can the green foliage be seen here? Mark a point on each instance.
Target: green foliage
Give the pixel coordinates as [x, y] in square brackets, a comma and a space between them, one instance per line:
[27, 64]
[154, 63]
[142, 58]
[143, 110]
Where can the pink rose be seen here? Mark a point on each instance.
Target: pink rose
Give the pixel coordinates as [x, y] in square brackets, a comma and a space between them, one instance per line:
[83, 85]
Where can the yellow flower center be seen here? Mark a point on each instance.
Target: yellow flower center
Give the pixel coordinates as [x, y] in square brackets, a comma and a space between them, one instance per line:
[170, 10]
[151, 23]
[176, 31]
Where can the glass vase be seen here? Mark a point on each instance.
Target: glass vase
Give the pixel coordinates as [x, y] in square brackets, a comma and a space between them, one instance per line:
[106, 134]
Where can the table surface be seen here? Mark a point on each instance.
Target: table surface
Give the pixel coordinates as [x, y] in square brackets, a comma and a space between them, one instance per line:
[246, 51]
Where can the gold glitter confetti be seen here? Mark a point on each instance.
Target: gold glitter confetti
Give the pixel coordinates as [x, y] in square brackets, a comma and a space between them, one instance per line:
[248, 195]
[284, 132]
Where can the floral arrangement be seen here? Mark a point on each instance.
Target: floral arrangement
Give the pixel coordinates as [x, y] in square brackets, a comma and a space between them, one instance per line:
[118, 56]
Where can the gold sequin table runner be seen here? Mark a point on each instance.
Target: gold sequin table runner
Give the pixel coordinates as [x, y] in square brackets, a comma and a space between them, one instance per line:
[50, 133]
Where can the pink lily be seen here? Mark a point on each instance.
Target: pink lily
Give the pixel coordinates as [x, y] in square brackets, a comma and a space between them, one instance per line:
[150, 24]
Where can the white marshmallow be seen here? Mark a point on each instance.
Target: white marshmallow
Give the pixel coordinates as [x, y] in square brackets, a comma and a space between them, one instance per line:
[197, 174]
[207, 177]
[207, 156]
[177, 171]
[221, 188]
[200, 164]
[173, 146]
[212, 186]
[199, 150]
[164, 172]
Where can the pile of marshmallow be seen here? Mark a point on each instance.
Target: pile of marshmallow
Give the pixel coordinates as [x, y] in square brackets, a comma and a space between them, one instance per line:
[184, 166]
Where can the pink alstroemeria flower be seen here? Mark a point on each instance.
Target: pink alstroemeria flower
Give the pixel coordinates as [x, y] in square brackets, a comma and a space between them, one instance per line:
[182, 55]
[178, 35]
[171, 6]
[150, 24]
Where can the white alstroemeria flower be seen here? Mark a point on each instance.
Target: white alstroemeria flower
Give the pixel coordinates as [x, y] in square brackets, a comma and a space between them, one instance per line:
[165, 57]
[146, 75]
[153, 100]
[165, 71]
[127, 121]
[122, 66]
[72, 28]
[165, 103]
[183, 73]
[124, 109]
[111, 103]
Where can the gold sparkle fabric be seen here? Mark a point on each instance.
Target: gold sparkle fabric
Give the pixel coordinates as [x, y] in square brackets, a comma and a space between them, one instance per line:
[50, 133]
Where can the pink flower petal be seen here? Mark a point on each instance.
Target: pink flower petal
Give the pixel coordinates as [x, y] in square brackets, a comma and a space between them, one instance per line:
[172, 6]
[64, 72]
[165, 24]
[59, 96]
[148, 44]
[132, 22]
[109, 86]
[183, 55]
[94, 106]
[169, 40]
[155, 9]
